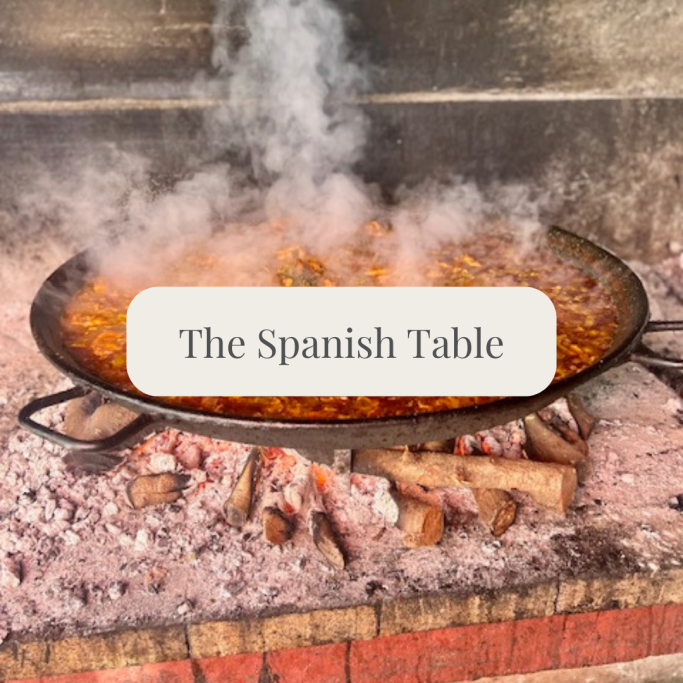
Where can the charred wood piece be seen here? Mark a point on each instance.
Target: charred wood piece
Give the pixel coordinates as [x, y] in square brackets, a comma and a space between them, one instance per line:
[546, 445]
[585, 421]
[497, 509]
[156, 489]
[327, 540]
[278, 528]
[420, 520]
[569, 435]
[239, 505]
[325, 536]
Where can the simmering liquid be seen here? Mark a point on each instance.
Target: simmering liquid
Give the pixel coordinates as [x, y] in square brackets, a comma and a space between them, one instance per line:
[94, 321]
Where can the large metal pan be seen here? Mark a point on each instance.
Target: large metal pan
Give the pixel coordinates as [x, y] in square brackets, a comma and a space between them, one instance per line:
[620, 281]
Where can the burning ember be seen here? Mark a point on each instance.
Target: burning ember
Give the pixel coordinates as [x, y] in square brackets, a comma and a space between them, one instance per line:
[94, 323]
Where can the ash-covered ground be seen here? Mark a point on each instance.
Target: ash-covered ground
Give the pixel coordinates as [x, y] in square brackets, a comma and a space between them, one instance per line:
[76, 558]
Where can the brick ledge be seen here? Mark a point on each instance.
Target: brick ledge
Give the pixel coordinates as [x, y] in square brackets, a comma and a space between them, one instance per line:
[362, 629]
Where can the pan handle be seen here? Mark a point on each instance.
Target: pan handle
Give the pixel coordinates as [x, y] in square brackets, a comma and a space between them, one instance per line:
[646, 356]
[110, 443]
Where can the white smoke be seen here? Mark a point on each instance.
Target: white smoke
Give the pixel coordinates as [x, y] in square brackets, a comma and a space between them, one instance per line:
[290, 123]
[287, 88]
[287, 94]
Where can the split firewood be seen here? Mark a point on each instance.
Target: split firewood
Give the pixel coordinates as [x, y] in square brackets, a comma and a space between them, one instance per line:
[156, 489]
[238, 506]
[325, 536]
[569, 435]
[420, 520]
[326, 539]
[277, 519]
[584, 419]
[90, 418]
[497, 509]
[546, 445]
[549, 484]
[278, 528]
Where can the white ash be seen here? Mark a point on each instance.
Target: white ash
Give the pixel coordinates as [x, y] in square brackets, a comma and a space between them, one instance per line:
[116, 590]
[184, 552]
[162, 462]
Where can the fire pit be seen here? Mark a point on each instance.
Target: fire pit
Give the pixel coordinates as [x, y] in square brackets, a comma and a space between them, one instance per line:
[171, 541]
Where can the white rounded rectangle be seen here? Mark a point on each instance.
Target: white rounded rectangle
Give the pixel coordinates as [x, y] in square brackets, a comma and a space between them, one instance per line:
[341, 341]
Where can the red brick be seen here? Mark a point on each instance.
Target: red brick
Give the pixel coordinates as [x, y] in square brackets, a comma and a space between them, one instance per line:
[439, 656]
[667, 630]
[391, 659]
[536, 645]
[165, 672]
[578, 640]
[626, 634]
[604, 637]
[524, 646]
[461, 653]
[318, 664]
[231, 669]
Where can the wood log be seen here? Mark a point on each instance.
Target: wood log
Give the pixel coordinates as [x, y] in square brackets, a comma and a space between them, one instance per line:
[156, 489]
[278, 528]
[239, 505]
[327, 540]
[546, 445]
[584, 419]
[325, 536]
[551, 485]
[569, 435]
[421, 522]
[497, 509]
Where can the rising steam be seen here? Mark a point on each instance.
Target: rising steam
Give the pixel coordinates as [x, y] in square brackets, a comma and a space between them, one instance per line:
[288, 111]
[289, 127]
